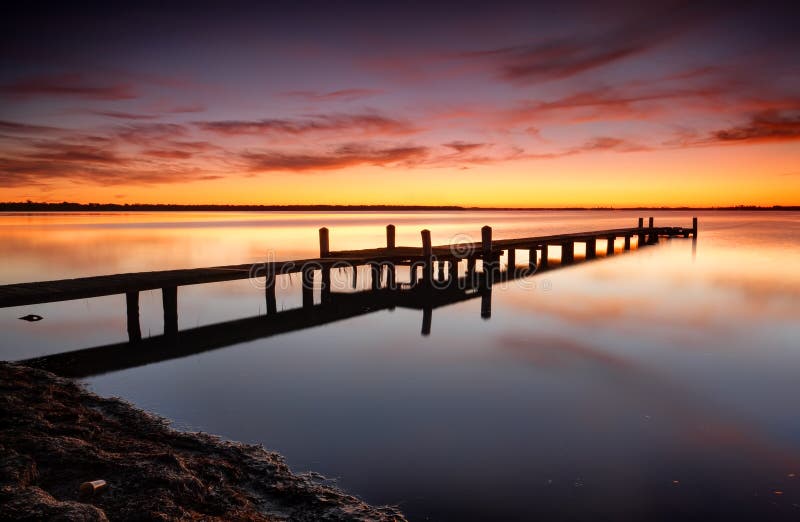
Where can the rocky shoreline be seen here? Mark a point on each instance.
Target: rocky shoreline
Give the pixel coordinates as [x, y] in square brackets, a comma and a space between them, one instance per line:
[55, 435]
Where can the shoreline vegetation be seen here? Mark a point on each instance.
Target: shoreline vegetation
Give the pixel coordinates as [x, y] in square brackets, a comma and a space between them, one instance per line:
[66, 206]
[56, 435]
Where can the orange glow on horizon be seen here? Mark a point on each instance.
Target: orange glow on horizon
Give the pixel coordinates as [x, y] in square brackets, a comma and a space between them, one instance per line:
[711, 176]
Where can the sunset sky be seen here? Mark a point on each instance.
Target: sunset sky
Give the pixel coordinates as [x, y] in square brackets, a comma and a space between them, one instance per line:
[461, 103]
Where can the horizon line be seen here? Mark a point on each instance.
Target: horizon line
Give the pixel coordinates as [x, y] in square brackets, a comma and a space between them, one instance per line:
[15, 206]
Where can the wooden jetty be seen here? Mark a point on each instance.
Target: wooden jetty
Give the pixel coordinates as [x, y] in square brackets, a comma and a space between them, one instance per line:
[445, 287]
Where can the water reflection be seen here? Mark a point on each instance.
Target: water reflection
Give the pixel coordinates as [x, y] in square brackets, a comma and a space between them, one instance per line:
[652, 386]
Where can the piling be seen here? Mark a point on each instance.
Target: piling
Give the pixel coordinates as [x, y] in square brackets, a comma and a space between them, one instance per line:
[390, 236]
[269, 290]
[324, 243]
[307, 281]
[591, 248]
[567, 252]
[132, 305]
[169, 299]
[427, 257]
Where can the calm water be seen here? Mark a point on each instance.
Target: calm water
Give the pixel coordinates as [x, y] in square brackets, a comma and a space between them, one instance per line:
[662, 383]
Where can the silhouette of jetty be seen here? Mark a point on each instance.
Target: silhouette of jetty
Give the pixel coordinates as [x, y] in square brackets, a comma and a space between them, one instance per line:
[425, 290]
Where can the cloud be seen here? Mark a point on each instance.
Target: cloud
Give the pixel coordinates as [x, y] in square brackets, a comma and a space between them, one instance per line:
[370, 124]
[68, 85]
[25, 128]
[344, 156]
[607, 103]
[462, 146]
[770, 125]
[149, 134]
[61, 152]
[340, 95]
[608, 143]
[123, 115]
[566, 56]
[17, 172]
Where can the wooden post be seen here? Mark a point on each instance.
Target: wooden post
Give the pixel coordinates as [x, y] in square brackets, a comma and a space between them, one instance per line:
[567, 252]
[591, 248]
[269, 290]
[391, 276]
[512, 259]
[440, 270]
[650, 236]
[389, 236]
[413, 273]
[453, 275]
[544, 255]
[427, 257]
[307, 280]
[169, 299]
[486, 249]
[640, 239]
[532, 257]
[486, 303]
[325, 291]
[427, 318]
[650, 222]
[627, 242]
[486, 243]
[376, 275]
[324, 243]
[355, 276]
[134, 329]
[610, 246]
[694, 226]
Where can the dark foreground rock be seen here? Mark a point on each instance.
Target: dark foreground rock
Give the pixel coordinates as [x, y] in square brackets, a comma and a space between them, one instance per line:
[54, 435]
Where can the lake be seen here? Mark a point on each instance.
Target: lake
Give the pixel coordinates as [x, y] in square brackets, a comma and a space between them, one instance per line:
[662, 383]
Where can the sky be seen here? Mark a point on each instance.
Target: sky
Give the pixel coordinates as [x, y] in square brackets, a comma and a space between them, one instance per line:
[437, 103]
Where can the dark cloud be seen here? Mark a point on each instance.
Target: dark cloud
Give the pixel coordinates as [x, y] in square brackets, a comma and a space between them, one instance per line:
[367, 123]
[609, 143]
[771, 125]
[150, 134]
[25, 128]
[345, 156]
[74, 85]
[462, 146]
[565, 56]
[124, 115]
[340, 95]
[65, 152]
[20, 172]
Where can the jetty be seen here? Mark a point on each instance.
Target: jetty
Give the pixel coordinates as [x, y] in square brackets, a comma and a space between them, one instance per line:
[436, 277]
